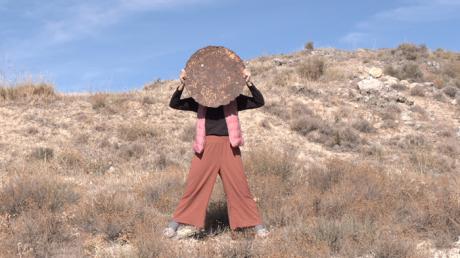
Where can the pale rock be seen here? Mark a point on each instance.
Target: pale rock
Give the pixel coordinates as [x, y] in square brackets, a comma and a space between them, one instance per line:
[405, 116]
[111, 169]
[433, 64]
[412, 85]
[362, 77]
[390, 78]
[279, 62]
[370, 84]
[428, 84]
[404, 82]
[376, 72]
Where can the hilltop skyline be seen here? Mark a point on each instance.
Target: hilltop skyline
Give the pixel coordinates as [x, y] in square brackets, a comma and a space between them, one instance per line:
[117, 45]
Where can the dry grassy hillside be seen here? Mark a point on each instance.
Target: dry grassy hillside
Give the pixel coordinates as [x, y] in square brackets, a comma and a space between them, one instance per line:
[355, 154]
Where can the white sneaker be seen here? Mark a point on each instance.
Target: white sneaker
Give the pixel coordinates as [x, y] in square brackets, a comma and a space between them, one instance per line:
[262, 233]
[185, 231]
[169, 232]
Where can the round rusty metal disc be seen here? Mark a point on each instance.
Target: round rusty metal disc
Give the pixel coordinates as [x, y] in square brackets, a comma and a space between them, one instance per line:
[214, 76]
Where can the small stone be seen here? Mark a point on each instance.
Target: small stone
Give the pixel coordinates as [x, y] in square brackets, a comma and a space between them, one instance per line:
[376, 72]
[278, 62]
[414, 84]
[111, 169]
[428, 84]
[370, 84]
[405, 116]
[405, 82]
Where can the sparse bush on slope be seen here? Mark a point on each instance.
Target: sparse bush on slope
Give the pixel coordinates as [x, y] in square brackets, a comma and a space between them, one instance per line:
[25, 91]
[312, 69]
[408, 71]
[410, 51]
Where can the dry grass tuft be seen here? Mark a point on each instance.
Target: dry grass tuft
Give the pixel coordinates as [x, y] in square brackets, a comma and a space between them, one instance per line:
[450, 91]
[312, 69]
[410, 51]
[418, 91]
[408, 71]
[112, 214]
[27, 191]
[42, 153]
[139, 130]
[27, 91]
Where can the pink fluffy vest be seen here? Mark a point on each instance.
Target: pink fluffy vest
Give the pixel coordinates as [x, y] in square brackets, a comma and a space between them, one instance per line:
[233, 125]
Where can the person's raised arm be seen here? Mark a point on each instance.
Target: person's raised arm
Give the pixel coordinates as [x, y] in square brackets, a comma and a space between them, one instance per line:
[246, 102]
[187, 104]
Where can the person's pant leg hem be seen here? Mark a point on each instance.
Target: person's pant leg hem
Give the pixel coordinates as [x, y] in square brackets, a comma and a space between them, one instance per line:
[188, 222]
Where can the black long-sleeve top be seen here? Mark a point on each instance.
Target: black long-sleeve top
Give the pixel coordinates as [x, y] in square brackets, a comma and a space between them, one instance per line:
[215, 119]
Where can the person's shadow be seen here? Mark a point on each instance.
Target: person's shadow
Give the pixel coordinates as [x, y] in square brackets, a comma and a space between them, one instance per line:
[216, 221]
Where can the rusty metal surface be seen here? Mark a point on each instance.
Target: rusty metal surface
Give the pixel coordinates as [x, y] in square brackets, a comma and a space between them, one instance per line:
[214, 76]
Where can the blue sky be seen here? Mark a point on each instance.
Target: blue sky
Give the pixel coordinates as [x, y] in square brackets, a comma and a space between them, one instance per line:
[117, 45]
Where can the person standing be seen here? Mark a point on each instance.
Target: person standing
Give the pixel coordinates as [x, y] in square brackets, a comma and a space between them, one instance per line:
[217, 140]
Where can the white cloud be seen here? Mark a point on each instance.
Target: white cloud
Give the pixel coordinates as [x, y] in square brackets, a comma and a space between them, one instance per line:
[409, 12]
[59, 22]
[87, 18]
[423, 12]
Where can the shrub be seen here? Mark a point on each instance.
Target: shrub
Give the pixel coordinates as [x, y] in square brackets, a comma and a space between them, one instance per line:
[24, 192]
[345, 137]
[309, 46]
[132, 132]
[419, 109]
[27, 91]
[439, 96]
[110, 213]
[312, 69]
[391, 70]
[72, 159]
[132, 150]
[149, 245]
[42, 153]
[407, 71]
[390, 112]
[363, 126]
[305, 124]
[450, 91]
[283, 78]
[161, 195]
[40, 234]
[266, 161]
[418, 91]
[99, 100]
[278, 109]
[154, 85]
[452, 69]
[411, 51]
[391, 246]
[147, 100]
[411, 71]
[457, 83]
[399, 87]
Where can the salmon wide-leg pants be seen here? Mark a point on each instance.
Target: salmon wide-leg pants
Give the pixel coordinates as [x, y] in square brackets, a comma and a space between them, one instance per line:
[218, 157]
